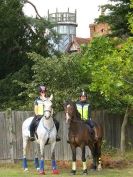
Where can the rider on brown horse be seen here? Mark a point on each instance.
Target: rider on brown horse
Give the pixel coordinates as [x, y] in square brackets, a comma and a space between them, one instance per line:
[84, 108]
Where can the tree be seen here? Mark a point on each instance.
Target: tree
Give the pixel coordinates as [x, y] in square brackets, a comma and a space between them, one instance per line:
[13, 41]
[10, 91]
[62, 75]
[112, 75]
[18, 36]
[117, 17]
[131, 17]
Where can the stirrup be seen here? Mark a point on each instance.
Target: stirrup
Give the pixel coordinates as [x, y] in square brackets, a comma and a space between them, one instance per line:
[68, 141]
[32, 138]
[58, 138]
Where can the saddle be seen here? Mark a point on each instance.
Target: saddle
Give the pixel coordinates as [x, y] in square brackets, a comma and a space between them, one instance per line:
[92, 129]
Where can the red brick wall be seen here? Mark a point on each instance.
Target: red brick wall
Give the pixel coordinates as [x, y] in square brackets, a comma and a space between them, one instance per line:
[98, 29]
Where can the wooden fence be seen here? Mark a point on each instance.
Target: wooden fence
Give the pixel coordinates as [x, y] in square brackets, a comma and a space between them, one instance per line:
[11, 136]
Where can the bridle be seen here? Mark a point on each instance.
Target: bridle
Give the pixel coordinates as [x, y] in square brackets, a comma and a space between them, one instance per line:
[70, 117]
[49, 111]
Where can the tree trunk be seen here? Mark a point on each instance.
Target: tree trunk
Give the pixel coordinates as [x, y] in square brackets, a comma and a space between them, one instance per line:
[123, 131]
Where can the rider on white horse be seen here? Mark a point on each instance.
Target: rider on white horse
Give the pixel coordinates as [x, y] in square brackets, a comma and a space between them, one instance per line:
[45, 134]
[39, 111]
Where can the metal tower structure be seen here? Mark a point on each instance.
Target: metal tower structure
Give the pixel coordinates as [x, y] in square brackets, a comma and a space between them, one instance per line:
[65, 26]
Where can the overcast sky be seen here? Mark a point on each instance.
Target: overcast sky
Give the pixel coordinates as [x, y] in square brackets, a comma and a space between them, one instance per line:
[87, 11]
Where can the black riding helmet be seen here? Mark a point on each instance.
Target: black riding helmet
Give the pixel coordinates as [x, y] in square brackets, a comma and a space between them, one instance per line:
[83, 93]
[42, 88]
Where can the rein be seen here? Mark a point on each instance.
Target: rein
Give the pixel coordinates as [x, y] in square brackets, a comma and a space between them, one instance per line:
[48, 130]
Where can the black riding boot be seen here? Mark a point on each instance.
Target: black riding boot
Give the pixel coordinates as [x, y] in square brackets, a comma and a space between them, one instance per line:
[57, 128]
[32, 129]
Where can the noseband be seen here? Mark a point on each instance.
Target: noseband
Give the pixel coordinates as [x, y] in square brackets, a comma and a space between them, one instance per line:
[47, 117]
[47, 111]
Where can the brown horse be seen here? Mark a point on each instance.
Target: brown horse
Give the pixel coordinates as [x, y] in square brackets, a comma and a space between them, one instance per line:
[81, 135]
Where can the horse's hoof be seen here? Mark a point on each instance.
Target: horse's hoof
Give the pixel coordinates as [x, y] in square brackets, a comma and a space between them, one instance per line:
[73, 172]
[42, 173]
[94, 168]
[55, 171]
[99, 168]
[26, 170]
[85, 172]
[38, 169]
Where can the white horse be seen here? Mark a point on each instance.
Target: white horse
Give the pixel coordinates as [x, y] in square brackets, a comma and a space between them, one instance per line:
[46, 132]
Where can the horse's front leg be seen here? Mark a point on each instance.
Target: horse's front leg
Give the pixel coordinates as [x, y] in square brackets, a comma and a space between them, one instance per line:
[54, 166]
[36, 161]
[84, 160]
[25, 144]
[42, 158]
[73, 148]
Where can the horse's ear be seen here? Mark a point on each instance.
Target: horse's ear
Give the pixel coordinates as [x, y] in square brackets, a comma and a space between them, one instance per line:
[64, 103]
[51, 97]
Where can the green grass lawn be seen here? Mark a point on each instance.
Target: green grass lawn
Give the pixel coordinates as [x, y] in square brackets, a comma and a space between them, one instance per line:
[9, 172]
[15, 170]
[114, 165]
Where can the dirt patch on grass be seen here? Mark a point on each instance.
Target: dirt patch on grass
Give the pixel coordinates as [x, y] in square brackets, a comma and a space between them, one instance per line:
[107, 162]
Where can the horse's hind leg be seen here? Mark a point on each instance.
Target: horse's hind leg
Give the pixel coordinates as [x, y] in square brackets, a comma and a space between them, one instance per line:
[94, 156]
[84, 160]
[25, 144]
[99, 167]
[97, 156]
[54, 166]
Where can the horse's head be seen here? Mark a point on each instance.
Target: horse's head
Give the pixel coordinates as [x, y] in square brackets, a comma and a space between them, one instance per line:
[70, 111]
[48, 109]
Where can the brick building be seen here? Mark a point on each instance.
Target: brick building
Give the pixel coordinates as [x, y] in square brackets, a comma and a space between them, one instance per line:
[99, 29]
[74, 45]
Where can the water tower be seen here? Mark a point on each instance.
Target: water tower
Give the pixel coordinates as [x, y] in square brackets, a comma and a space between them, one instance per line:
[65, 26]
